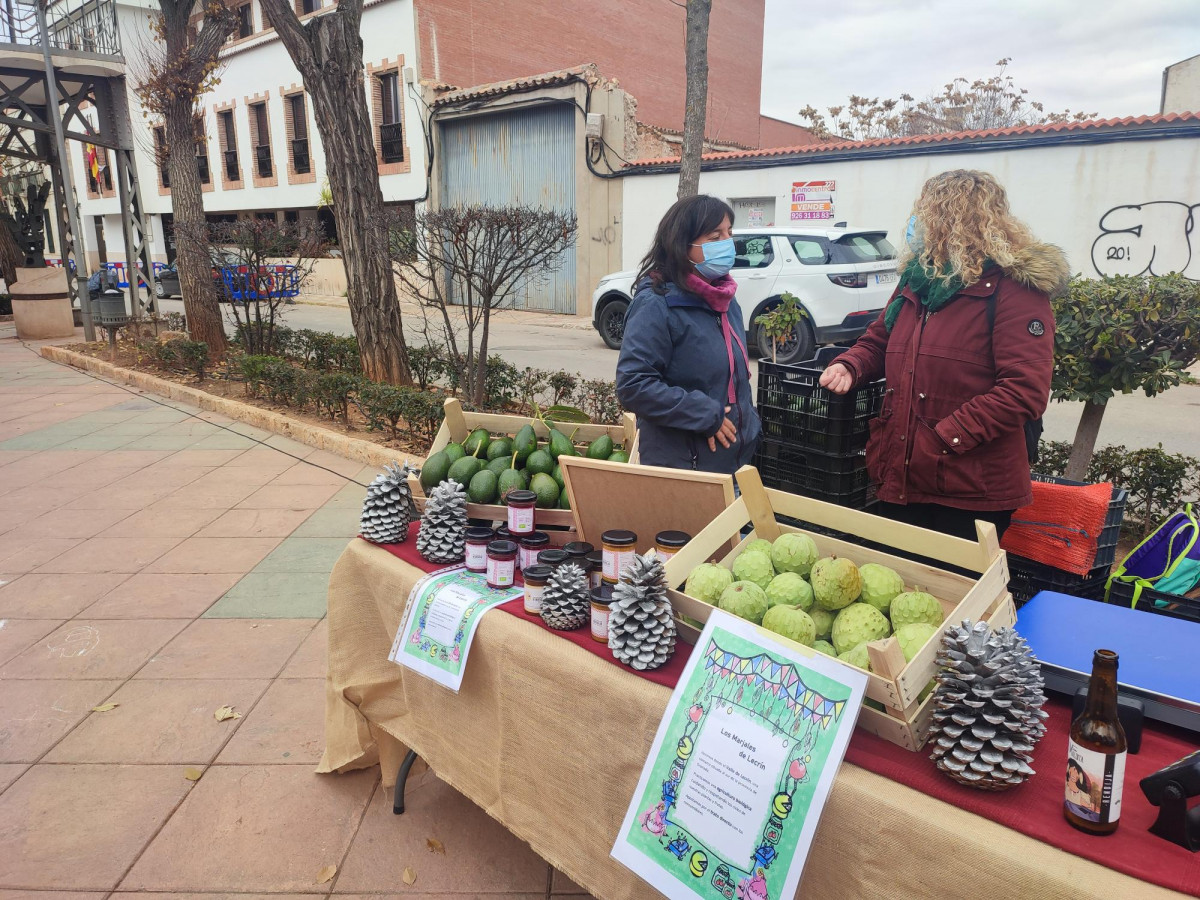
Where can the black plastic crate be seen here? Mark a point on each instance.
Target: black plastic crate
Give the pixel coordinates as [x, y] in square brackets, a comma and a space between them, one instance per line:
[1110, 535]
[1027, 577]
[1173, 605]
[835, 479]
[797, 411]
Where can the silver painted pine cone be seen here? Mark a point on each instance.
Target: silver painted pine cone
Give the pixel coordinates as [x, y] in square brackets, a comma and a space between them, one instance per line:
[388, 508]
[443, 534]
[641, 626]
[566, 600]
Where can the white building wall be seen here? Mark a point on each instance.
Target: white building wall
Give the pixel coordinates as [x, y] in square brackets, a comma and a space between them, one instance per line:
[1181, 87]
[1115, 208]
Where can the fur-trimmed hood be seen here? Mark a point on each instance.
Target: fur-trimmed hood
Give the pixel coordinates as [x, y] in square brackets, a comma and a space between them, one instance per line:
[1042, 268]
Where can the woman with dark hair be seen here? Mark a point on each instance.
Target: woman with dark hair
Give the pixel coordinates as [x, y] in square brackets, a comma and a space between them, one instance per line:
[684, 371]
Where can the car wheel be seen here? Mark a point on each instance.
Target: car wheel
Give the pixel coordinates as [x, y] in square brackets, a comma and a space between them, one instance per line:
[159, 291]
[612, 323]
[798, 347]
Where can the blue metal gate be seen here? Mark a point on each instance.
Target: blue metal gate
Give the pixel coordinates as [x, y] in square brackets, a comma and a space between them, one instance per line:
[524, 156]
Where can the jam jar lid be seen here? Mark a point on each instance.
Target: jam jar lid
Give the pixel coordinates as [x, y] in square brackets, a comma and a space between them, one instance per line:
[535, 539]
[477, 535]
[502, 548]
[537, 573]
[672, 538]
[579, 549]
[521, 498]
[603, 595]
[619, 537]
[552, 557]
[596, 559]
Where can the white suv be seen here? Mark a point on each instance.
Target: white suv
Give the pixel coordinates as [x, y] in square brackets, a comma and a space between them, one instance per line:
[843, 277]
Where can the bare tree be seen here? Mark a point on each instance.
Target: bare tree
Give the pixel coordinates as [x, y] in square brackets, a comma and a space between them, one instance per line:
[696, 66]
[328, 51]
[178, 69]
[464, 262]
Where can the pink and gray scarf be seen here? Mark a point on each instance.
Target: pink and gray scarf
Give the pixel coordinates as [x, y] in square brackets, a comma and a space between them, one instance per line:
[718, 295]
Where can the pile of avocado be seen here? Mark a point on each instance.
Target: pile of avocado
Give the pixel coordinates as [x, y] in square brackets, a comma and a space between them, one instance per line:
[492, 467]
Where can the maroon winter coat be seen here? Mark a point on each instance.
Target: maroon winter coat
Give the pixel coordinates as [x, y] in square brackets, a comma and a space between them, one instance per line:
[951, 428]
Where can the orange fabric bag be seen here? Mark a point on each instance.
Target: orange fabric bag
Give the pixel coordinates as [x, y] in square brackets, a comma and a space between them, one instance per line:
[1062, 525]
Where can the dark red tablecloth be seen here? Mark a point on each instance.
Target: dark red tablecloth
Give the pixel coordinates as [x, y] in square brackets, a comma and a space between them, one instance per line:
[1034, 808]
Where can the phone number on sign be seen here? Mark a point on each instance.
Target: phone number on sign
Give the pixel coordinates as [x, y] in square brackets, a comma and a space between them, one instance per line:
[801, 216]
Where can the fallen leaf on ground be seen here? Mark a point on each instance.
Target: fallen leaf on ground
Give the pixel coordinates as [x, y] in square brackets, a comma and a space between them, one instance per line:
[105, 707]
[409, 876]
[226, 712]
[435, 846]
[191, 773]
[326, 874]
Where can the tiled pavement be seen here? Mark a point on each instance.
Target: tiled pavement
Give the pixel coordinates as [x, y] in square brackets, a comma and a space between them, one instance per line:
[170, 562]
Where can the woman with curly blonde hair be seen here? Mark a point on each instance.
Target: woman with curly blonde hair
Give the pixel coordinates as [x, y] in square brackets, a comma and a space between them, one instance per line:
[966, 345]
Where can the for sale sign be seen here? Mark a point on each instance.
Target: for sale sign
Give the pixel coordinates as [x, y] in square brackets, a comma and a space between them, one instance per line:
[812, 200]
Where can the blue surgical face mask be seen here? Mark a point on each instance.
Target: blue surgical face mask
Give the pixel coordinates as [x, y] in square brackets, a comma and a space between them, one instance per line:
[911, 236]
[718, 258]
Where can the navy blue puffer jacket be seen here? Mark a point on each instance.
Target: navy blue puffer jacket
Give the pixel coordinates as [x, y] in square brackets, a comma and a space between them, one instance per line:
[673, 374]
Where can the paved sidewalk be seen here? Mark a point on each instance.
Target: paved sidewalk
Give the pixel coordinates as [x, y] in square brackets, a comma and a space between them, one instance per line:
[156, 564]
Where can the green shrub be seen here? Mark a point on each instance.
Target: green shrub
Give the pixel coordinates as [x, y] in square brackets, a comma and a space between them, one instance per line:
[427, 364]
[383, 406]
[598, 398]
[501, 383]
[326, 351]
[182, 355]
[423, 413]
[331, 392]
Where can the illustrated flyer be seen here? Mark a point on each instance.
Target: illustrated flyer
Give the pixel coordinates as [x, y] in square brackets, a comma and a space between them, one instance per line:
[745, 756]
[443, 611]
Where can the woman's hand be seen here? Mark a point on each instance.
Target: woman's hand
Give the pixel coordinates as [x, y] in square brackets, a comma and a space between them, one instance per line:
[726, 435]
[837, 378]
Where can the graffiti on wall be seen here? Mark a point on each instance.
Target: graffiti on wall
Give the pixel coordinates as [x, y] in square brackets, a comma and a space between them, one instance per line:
[1149, 239]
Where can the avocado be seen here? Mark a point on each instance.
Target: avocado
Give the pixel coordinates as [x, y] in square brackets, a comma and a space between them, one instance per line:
[557, 476]
[619, 456]
[526, 476]
[454, 452]
[546, 489]
[483, 487]
[540, 461]
[434, 471]
[496, 466]
[560, 444]
[525, 443]
[510, 480]
[464, 470]
[477, 443]
[600, 448]
[564, 501]
[500, 448]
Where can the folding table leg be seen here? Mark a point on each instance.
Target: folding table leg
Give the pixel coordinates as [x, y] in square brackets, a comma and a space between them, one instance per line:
[401, 778]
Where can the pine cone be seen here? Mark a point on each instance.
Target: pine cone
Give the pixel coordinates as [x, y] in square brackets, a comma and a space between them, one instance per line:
[566, 600]
[641, 627]
[988, 707]
[443, 534]
[388, 508]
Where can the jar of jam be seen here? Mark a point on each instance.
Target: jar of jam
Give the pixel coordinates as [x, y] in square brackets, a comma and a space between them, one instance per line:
[595, 569]
[531, 545]
[501, 564]
[578, 551]
[535, 583]
[553, 558]
[502, 534]
[668, 543]
[477, 544]
[619, 547]
[601, 600]
[520, 512]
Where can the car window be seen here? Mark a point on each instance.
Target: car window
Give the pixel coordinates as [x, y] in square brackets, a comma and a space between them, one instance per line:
[811, 251]
[753, 251]
[869, 247]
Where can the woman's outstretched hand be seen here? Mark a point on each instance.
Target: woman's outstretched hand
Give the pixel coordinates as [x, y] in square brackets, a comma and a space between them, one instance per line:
[726, 435]
[837, 378]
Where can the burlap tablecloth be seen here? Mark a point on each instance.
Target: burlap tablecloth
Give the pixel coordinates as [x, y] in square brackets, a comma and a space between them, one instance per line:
[550, 741]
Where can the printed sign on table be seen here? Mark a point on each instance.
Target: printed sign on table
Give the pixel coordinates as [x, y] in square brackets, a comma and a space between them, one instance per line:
[443, 611]
[740, 769]
[812, 200]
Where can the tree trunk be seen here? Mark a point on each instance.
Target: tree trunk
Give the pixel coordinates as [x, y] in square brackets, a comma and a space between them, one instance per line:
[697, 96]
[480, 386]
[1085, 441]
[328, 51]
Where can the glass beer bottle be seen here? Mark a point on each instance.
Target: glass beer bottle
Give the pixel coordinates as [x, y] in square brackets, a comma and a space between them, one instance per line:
[1096, 754]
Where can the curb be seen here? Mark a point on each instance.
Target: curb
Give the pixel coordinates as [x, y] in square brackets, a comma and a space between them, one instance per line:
[366, 452]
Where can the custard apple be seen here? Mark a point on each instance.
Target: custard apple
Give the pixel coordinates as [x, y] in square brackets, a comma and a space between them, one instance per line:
[915, 606]
[857, 657]
[836, 582]
[758, 545]
[707, 581]
[879, 585]
[824, 647]
[857, 624]
[753, 566]
[789, 589]
[745, 599]
[793, 552]
[823, 619]
[792, 622]
[913, 637]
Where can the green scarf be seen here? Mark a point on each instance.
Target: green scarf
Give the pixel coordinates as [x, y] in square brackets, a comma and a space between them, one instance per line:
[932, 290]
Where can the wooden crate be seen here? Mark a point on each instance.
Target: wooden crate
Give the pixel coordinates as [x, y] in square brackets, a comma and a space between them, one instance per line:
[459, 424]
[892, 682]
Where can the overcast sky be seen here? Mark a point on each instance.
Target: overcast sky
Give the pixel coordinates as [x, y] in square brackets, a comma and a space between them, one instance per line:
[1102, 56]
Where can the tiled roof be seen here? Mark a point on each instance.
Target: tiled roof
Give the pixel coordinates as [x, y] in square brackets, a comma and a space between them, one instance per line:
[951, 137]
[588, 72]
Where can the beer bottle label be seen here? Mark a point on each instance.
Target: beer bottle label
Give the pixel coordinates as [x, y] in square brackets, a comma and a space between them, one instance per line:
[1094, 783]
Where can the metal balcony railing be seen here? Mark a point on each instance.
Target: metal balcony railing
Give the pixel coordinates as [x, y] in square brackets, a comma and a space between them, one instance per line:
[391, 142]
[301, 163]
[262, 158]
[88, 26]
[232, 172]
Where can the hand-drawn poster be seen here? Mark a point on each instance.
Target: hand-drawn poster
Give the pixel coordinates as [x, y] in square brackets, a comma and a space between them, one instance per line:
[740, 769]
[443, 610]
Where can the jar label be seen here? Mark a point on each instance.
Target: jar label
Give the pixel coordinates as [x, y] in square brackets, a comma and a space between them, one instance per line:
[476, 557]
[528, 558]
[500, 572]
[595, 579]
[616, 562]
[520, 520]
[533, 599]
[600, 624]
[1095, 782]
[664, 553]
